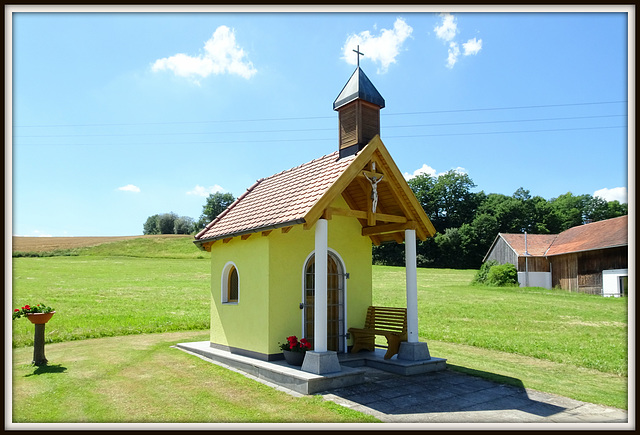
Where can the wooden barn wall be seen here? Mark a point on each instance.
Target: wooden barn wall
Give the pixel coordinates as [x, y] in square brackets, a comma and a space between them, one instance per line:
[592, 263]
[536, 264]
[502, 253]
[564, 272]
[582, 272]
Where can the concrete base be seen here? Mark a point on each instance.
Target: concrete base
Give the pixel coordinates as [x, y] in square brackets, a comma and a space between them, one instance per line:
[279, 374]
[413, 351]
[376, 360]
[321, 362]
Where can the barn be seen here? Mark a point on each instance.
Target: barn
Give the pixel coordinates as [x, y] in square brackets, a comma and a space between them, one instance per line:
[590, 258]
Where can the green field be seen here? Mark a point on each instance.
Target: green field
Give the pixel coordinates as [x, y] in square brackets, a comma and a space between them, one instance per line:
[550, 340]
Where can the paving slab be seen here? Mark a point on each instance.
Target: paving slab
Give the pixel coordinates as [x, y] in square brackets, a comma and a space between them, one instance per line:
[452, 397]
[456, 399]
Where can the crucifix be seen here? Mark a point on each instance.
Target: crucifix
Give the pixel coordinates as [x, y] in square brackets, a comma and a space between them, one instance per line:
[374, 191]
[357, 50]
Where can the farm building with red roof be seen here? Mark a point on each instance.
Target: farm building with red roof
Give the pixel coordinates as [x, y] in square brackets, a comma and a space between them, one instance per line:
[590, 258]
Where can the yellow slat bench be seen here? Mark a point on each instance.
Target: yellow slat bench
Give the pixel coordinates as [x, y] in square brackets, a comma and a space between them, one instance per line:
[388, 321]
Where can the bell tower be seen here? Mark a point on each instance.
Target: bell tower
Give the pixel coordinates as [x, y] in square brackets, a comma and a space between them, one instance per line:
[358, 107]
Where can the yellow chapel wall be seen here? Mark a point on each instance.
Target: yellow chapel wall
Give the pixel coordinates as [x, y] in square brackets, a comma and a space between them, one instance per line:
[241, 325]
[270, 271]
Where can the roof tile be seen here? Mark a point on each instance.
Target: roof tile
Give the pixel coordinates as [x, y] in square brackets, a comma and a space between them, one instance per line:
[284, 197]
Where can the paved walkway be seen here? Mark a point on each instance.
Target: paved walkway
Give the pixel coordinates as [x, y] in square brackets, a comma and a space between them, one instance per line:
[452, 397]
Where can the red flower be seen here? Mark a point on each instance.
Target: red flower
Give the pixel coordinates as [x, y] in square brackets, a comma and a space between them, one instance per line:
[16, 310]
[305, 343]
[26, 307]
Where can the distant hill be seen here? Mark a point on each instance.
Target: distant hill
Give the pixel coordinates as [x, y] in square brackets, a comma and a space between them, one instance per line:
[156, 246]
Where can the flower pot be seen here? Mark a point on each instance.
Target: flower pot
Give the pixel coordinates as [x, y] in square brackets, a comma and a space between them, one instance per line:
[40, 318]
[293, 358]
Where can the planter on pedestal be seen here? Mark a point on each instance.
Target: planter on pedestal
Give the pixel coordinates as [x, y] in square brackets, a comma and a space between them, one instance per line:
[39, 320]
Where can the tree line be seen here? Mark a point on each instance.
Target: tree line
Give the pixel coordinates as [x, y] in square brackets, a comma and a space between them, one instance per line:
[171, 223]
[466, 223]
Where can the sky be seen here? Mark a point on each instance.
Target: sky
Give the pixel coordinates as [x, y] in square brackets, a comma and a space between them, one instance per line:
[122, 115]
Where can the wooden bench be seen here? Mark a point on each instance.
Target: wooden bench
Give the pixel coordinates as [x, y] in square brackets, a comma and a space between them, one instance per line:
[387, 321]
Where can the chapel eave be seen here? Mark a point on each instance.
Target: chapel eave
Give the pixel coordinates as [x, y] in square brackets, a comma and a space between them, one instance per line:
[200, 243]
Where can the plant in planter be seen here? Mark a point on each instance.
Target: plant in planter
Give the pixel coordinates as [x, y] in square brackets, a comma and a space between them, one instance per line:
[294, 350]
[38, 310]
[38, 315]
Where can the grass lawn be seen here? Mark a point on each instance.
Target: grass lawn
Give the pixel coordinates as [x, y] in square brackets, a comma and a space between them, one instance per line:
[108, 296]
[550, 340]
[142, 379]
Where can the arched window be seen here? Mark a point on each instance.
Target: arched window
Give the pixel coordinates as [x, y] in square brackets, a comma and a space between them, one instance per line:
[230, 284]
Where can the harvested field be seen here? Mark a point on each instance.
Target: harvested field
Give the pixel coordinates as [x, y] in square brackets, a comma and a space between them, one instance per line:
[45, 244]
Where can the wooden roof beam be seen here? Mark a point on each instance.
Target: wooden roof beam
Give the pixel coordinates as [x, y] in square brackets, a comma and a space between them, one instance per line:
[388, 228]
[359, 214]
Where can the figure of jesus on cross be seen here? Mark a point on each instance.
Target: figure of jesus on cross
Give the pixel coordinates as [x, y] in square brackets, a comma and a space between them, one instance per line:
[374, 191]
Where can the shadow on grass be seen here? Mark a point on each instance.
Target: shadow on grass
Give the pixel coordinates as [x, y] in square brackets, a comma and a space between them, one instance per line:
[41, 370]
[487, 375]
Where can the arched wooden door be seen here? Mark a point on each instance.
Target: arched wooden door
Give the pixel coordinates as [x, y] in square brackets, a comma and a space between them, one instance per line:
[335, 302]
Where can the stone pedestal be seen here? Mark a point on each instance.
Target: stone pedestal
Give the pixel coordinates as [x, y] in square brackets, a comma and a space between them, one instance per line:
[38, 346]
[320, 363]
[414, 351]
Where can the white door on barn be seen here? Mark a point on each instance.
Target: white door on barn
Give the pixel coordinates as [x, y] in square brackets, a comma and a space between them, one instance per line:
[336, 286]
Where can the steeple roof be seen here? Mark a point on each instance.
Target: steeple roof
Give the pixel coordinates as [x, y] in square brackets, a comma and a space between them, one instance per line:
[358, 86]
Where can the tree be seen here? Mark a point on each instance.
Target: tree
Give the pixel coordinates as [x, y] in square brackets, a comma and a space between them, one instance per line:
[570, 209]
[183, 225]
[447, 199]
[215, 204]
[151, 225]
[166, 223]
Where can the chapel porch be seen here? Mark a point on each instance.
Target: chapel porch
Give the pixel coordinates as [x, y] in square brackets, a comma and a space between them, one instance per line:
[303, 382]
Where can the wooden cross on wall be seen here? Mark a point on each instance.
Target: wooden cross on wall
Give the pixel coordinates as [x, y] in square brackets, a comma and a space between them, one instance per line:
[357, 50]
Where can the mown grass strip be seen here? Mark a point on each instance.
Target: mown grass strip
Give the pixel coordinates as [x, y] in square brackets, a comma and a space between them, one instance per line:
[141, 379]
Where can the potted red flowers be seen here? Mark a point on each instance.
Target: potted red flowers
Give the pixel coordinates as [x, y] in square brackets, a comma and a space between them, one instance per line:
[38, 315]
[294, 350]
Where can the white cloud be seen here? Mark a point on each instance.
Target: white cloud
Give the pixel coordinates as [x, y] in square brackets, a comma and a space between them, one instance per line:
[424, 170]
[37, 233]
[472, 46]
[454, 52]
[382, 49]
[129, 188]
[428, 170]
[221, 55]
[205, 191]
[448, 28]
[447, 31]
[616, 194]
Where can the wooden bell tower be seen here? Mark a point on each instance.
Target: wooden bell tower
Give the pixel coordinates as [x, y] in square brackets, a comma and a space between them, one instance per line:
[358, 107]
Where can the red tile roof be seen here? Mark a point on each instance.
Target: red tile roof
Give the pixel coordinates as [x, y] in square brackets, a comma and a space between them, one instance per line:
[280, 200]
[609, 233]
[537, 244]
[597, 235]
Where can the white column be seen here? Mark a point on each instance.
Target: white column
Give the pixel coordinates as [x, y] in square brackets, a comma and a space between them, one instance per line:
[320, 302]
[412, 285]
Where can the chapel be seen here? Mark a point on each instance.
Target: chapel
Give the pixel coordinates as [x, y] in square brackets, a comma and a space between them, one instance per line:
[293, 254]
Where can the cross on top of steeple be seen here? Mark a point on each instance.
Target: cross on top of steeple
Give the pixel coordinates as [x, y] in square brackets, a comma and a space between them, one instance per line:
[357, 50]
